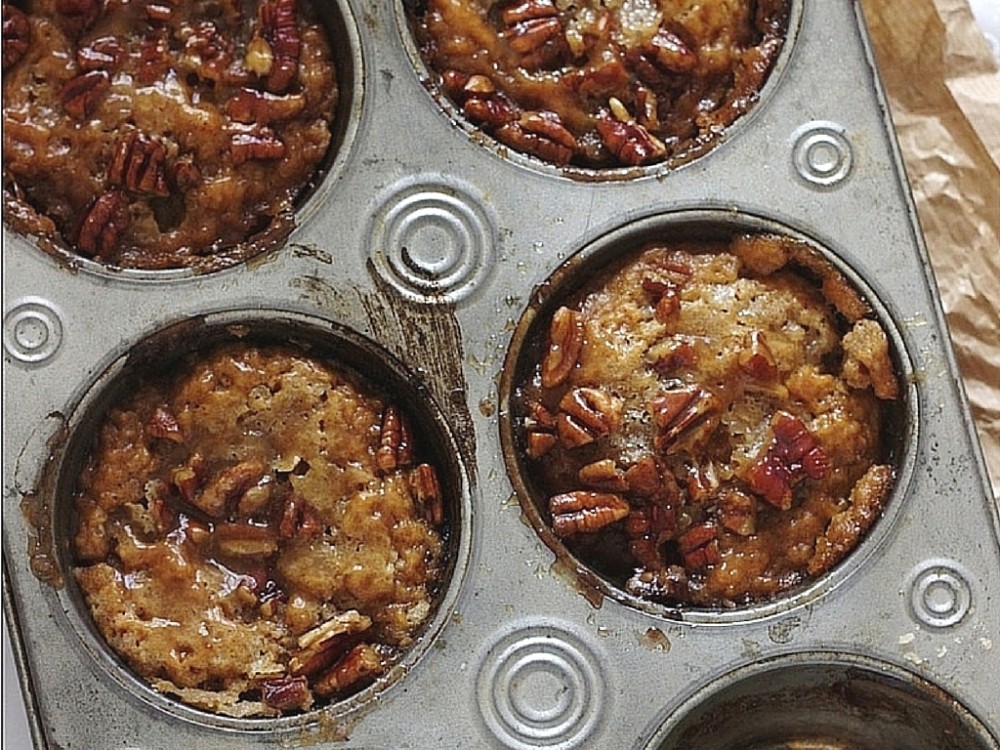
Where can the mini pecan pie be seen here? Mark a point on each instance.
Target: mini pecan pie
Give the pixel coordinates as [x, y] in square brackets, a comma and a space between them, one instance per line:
[602, 83]
[704, 422]
[163, 134]
[260, 533]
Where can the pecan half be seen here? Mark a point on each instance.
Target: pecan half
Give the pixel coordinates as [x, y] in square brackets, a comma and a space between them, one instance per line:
[587, 414]
[243, 540]
[154, 57]
[139, 165]
[286, 693]
[480, 100]
[699, 546]
[261, 107]
[566, 335]
[677, 410]
[227, 486]
[279, 28]
[580, 512]
[668, 51]
[427, 494]
[81, 96]
[362, 663]
[103, 225]
[647, 528]
[77, 15]
[629, 141]
[541, 134]
[603, 475]
[103, 53]
[260, 145]
[163, 424]
[540, 430]
[16, 35]
[395, 449]
[792, 456]
[298, 519]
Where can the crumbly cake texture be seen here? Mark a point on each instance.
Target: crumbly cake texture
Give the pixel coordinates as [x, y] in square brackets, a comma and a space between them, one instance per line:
[704, 422]
[163, 135]
[257, 534]
[604, 83]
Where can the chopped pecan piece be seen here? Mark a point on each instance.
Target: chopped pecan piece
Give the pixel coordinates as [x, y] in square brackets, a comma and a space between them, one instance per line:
[139, 165]
[286, 693]
[629, 141]
[82, 95]
[261, 107]
[603, 475]
[581, 512]
[541, 134]
[702, 482]
[185, 173]
[643, 477]
[298, 519]
[188, 478]
[668, 51]
[279, 28]
[362, 663]
[565, 343]
[244, 540]
[540, 429]
[103, 225]
[427, 494]
[261, 145]
[699, 546]
[16, 35]
[646, 529]
[679, 409]
[104, 53]
[227, 486]
[163, 424]
[737, 512]
[395, 449]
[792, 456]
[587, 414]
[324, 644]
[157, 12]
[679, 355]
[667, 584]
[78, 15]
[154, 57]
[756, 359]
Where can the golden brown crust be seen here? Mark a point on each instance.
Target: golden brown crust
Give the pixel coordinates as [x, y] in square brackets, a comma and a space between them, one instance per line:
[216, 599]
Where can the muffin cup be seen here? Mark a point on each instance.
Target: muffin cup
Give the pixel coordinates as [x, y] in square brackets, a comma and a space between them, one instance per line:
[154, 356]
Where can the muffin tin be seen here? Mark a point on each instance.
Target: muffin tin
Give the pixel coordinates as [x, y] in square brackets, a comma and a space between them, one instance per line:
[419, 258]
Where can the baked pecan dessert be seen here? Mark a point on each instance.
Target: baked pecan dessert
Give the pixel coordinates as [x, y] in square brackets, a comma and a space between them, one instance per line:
[259, 534]
[163, 134]
[606, 83]
[704, 423]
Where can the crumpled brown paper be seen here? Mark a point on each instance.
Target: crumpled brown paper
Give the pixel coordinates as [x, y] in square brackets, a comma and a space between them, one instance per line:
[943, 87]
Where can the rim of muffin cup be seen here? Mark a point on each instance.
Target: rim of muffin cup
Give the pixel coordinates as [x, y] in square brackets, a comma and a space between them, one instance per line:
[345, 351]
[430, 82]
[899, 419]
[828, 699]
[346, 50]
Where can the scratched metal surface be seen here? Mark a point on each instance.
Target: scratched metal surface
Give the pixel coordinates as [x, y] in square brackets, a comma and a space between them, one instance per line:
[425, 244]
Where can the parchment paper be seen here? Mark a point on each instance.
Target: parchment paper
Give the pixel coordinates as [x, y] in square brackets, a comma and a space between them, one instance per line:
[943, 87]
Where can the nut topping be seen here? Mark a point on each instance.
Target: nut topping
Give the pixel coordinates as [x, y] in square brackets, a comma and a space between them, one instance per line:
[587, 414]
[395, 448]
[260, 145]
[792, 456]
[104, 53]
[581, 512]
[103, 225]
[227, 486]
[756, 359]
[629, 141]
[358, 665]
[286, 693]
[737, 511]
[82, 95]
[280, 30]
[541, 134]
[677, 410]
[138, 165]
[427, 494]
[244, 540]
[163, 424]
[16, 35]
[699, 546]
[321, 646]
[603, 475]
[261, 107]
[540, 429]
[565, 343]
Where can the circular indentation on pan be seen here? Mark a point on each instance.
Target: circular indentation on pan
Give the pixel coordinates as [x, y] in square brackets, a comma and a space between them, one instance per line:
[540, 686]
[604, 565]
[361, 361]
[432, 239]
[32, 330]
[822, 154]
[940, 594]
[831, 701]
[533, 147]
[270, 223]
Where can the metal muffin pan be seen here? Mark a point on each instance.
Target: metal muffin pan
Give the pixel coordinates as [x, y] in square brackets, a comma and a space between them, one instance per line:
[418, 256]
